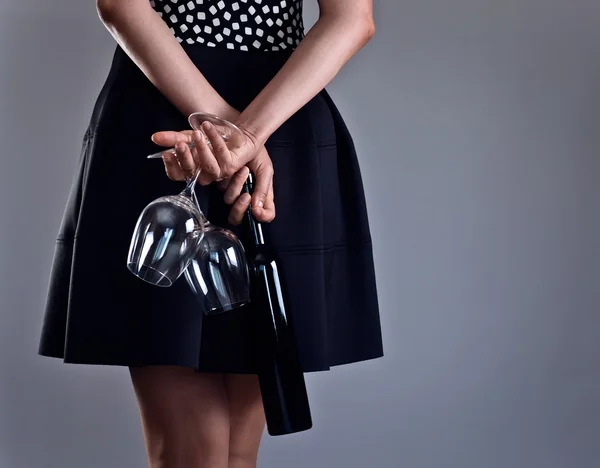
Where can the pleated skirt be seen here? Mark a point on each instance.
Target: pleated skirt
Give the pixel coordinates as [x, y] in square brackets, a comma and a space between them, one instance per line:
[97, 312]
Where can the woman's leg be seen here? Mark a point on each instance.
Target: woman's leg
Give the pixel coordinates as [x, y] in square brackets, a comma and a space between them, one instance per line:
[185, 417]
[247, 419]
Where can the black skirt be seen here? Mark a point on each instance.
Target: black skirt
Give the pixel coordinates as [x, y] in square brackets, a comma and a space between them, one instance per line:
[97, 312]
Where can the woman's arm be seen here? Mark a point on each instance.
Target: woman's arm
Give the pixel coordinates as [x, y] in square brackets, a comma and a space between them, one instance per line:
[152, 46]
[343, 28]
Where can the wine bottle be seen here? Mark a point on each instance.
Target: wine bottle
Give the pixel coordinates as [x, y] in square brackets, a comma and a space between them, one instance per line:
[280, 373]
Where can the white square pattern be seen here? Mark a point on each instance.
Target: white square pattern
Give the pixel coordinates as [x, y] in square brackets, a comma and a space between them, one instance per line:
[209, 22]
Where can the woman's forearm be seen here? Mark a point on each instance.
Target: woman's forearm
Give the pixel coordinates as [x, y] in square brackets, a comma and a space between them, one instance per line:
[338, 34]
[152, 46]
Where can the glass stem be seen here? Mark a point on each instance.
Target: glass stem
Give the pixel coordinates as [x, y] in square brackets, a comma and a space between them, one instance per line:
[191, 184]
[190, 192]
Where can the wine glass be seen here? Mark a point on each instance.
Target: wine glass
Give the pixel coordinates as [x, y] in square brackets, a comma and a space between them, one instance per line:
[218, 272]
[166, 237]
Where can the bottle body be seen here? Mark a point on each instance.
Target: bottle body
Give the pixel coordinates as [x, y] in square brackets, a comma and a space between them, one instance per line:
[280, 374]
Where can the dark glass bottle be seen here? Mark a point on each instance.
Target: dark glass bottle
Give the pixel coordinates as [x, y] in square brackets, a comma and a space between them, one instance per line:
[280, 374]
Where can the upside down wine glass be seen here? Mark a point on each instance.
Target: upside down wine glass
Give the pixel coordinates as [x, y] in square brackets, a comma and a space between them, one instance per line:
[167, 235]
[217, 271]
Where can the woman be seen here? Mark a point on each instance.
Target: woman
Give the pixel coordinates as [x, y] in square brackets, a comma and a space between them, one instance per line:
[249, 62]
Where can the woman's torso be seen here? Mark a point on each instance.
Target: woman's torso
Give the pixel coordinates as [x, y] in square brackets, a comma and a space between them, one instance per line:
[265, 25]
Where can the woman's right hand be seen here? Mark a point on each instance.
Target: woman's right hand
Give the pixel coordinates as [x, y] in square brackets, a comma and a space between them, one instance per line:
[183, 165]
[263, 204]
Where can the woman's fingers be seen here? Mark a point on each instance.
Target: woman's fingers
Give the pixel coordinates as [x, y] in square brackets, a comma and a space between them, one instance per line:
[172, 167]
[201, 156]
[169, 138]
[220, 151]
[263, 208]
[238, 210]
[264, 181]
[266, 213]
[205, 158]
[263, 205]
[239, 153]
[186, 160]
[236, 184]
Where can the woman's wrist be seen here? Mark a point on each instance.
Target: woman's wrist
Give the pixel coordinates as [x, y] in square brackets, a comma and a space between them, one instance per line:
[219, 109]
[231, 114]
[226, 112]
[259, 135]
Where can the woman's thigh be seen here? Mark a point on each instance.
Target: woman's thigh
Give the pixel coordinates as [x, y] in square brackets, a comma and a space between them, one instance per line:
[247, 419]
[185, 416]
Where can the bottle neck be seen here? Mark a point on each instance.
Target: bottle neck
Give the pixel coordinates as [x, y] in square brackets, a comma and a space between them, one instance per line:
[255, 228]
[256, 233]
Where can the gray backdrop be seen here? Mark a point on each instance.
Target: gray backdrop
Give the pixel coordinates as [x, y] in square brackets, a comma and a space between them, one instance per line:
[477, 123]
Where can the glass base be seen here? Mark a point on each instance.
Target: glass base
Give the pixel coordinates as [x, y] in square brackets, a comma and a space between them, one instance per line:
[226, 308]
[231, 133]
[150, 275]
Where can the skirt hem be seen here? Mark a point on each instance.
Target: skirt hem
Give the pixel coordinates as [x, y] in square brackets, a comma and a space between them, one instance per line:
[202, 369]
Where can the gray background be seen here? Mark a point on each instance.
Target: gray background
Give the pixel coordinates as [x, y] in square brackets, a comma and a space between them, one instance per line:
[477, 123]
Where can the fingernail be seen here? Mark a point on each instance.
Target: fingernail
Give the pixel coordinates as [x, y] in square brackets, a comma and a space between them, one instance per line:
[180, 147]
[246, 198]
[207, 125]
[197, 135]
[260, 203]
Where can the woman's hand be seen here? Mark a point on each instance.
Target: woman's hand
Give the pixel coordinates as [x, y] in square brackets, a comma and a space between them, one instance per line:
[263, 204]
[183, 165]
[217, 159]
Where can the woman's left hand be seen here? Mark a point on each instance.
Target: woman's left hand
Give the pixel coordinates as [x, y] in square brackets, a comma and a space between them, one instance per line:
[221, 161]
[184, 164]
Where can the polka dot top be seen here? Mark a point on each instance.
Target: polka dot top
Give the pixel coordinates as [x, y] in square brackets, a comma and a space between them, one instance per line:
[264, 25]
